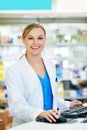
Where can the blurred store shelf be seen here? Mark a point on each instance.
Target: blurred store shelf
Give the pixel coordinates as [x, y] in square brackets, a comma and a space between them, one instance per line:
[16, 17]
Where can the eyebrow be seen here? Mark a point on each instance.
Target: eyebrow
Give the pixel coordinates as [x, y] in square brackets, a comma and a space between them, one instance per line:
[38, 36]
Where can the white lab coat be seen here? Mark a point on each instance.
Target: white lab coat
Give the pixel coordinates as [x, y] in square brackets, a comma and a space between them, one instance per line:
[24, 90]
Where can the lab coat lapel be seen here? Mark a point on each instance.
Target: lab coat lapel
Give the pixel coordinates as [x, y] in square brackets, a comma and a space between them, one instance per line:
[49, 70]
[30, 72]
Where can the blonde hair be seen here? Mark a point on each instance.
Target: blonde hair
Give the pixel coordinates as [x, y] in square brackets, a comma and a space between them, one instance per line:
[31, 26]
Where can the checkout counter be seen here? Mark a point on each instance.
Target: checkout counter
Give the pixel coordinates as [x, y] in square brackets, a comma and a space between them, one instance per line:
[33, 125]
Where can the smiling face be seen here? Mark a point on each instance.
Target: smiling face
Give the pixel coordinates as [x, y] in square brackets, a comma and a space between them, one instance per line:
[34, 41]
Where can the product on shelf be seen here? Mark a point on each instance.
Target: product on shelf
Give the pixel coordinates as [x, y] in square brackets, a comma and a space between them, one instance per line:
[1, 69]
[2, 125]
[7, 118]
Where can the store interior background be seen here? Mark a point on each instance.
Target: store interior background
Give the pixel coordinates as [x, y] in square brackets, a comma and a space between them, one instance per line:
[66, 45]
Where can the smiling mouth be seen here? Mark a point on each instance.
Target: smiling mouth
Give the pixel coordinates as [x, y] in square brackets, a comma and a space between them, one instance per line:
[35, 47]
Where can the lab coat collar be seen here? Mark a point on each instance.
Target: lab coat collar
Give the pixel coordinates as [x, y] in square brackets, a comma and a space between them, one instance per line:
[47, 66]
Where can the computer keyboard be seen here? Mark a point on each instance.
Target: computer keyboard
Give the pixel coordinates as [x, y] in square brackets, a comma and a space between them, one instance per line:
[76, 112]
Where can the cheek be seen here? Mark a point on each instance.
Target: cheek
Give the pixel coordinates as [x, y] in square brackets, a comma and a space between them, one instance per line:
[27, 42]
[24, 41]
[43, 42]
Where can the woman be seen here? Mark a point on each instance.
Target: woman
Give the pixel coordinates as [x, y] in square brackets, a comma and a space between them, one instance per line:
[31, 81]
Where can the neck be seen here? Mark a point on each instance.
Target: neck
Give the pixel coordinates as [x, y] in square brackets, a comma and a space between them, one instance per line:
[33, 59]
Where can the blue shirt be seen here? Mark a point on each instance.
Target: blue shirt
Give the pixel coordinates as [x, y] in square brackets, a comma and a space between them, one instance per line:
[47, 92]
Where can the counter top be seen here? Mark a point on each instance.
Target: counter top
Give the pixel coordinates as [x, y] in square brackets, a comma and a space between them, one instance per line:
[49, 126]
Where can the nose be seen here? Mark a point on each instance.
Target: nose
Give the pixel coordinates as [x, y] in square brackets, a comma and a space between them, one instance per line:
[35, 41]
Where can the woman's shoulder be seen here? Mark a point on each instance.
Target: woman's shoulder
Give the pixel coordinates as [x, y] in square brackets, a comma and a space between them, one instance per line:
[48, 62]
[16, 65]
[12, 67]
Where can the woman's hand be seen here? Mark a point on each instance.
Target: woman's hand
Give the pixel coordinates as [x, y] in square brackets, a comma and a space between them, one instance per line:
[50, 115]
[75, 103]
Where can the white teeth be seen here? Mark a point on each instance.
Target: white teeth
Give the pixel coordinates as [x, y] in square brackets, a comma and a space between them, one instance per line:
[35, 47]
